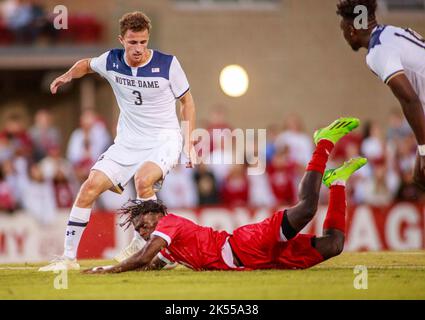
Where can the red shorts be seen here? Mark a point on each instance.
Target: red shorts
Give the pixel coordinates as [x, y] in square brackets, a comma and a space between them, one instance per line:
[259, 246]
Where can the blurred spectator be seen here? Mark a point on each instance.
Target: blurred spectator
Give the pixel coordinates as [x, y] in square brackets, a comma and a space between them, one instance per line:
[43, 134]
[282, 174]
[87, 143]
[7, 200]
[222, 156]
[54, 162]
[64, 194]
[405, 154]
[17, 136]
[206, 185]
[346, 148]
[19, 19]
[6, 149]
[217, 121]
[260, 191]
[373, 145]
[179, 190]
[378, 189]
[59, 171]
[398, 127]
[39, 196]
[27, 20]
[299, 143]
[272, 133]
[235, 188]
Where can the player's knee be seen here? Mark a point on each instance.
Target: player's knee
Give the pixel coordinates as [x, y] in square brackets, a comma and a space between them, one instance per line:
[88, 193]
[143, 183]
[337, 246]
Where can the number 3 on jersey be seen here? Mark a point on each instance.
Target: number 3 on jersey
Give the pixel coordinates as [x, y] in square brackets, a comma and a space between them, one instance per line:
[139, 100]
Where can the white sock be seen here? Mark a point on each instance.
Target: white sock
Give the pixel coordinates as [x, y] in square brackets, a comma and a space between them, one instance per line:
[136, 234]
[78, 220]
[150, 198]
[338, 183]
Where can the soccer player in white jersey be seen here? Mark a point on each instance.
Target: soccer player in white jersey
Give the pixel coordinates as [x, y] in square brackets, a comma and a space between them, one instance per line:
[146, 84]
[397, 57]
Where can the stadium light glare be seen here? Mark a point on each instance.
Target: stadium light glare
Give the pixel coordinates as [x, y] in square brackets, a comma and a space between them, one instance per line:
[234, 80]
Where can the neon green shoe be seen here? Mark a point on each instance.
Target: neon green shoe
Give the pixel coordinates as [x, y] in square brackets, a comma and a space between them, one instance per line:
[343, 172]
[336, 130]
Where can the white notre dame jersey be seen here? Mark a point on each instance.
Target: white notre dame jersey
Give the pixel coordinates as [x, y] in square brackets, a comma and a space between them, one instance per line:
[394, 50]
[146, 95]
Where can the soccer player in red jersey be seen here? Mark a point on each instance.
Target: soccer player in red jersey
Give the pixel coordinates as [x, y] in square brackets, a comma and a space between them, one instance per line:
[274, 243]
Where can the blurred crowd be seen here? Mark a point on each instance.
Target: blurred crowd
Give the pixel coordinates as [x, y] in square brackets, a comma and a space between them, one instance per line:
[28, 22]
[41, 173]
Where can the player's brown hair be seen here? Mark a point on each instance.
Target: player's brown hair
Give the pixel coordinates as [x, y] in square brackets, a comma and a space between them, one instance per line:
[134, 208]
[345, 8]
[134, 21]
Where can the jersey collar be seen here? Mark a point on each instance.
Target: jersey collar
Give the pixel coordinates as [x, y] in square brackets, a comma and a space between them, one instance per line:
[142, 65]
[375, 36]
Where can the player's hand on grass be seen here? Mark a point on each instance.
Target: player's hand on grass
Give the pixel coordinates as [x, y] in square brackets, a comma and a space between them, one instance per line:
[97, 270]
[60, 81]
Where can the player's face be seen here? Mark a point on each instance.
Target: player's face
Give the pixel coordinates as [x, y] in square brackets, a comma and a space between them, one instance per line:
[350, 34]
[146, 224]
[135, 44]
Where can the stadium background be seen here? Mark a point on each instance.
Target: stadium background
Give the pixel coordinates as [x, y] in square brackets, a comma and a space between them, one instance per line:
[302, 75]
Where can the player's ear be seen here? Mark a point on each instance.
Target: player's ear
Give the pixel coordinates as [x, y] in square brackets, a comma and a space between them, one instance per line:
[121, 39]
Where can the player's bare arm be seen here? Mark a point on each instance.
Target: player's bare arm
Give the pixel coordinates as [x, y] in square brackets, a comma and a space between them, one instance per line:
[411, 105]
[187, 113]
[155, 264]
[144, 259]
[413, 111]
[78, 70]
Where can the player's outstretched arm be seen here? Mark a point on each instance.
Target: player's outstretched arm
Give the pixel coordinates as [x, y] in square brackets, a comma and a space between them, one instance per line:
[138, 261]
[414, 113]
[411, 105]
[188, 114]
[155, 264]
[78, 70]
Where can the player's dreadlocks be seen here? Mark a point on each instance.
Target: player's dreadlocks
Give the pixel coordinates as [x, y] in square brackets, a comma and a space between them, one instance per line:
[134, 208]
[345, 8]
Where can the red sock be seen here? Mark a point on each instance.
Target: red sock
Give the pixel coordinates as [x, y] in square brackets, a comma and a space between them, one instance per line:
[320, 156]
[335, 217]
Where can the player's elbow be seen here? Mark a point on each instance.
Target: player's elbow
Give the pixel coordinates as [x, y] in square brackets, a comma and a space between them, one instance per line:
[337, 249]
[337, 245]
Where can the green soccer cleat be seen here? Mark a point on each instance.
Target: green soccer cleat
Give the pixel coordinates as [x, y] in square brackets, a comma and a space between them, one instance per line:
[344, 172]
[336, 130]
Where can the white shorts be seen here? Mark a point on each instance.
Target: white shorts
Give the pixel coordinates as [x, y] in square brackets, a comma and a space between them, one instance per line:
[120, 163]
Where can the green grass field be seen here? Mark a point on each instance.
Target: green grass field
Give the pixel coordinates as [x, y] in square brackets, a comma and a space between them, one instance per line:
[391, 275]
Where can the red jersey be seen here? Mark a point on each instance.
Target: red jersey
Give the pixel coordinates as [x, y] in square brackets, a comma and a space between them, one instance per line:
[197, 247]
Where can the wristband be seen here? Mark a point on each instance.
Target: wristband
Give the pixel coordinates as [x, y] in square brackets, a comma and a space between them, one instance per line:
[421, 149]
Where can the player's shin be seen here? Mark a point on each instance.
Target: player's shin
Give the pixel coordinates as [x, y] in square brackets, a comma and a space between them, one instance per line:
[335, 217]
[320, 156]
[77, 223]
[331, 243]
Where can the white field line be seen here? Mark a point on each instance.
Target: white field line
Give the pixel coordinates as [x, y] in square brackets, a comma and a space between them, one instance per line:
[18, 268]
[399, 267]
